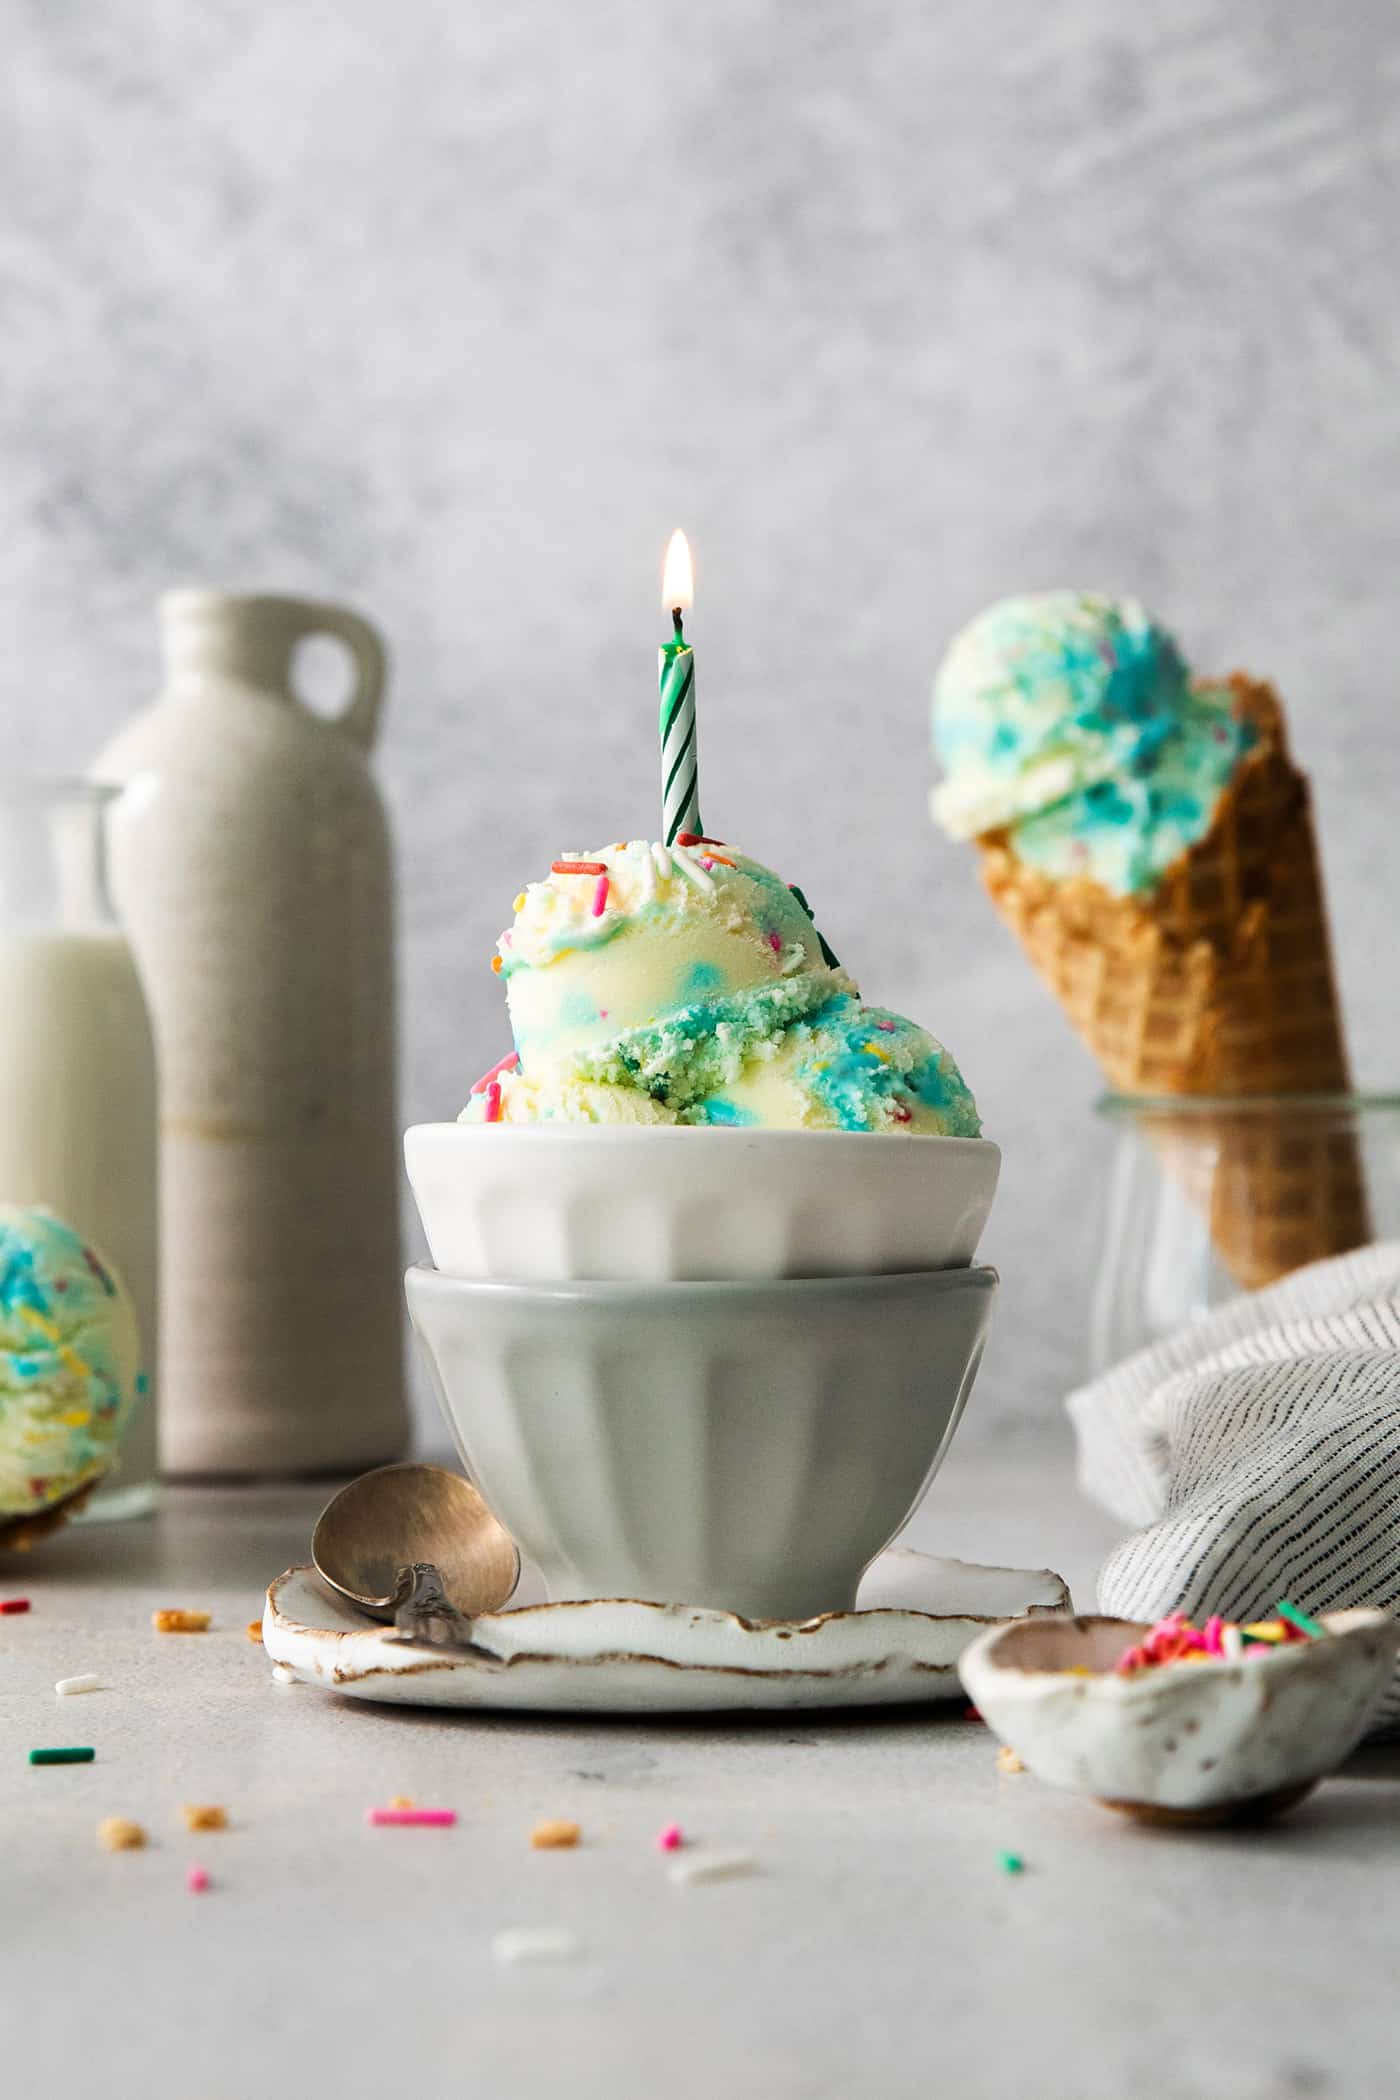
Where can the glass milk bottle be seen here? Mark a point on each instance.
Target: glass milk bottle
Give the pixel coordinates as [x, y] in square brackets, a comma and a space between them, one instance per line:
[77, 1064]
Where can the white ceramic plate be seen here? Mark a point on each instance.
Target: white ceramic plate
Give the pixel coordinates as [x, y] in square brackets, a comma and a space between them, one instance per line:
[916, 1617]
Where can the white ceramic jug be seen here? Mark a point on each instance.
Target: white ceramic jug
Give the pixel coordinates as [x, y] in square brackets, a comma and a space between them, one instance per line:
[251, 864]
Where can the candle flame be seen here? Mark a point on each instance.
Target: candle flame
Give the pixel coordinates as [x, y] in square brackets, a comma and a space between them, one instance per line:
[677, 581]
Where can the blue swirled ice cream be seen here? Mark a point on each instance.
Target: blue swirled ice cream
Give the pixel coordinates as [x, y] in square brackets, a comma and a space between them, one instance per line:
[689, 985]
[70, 1362]
[1070, 722]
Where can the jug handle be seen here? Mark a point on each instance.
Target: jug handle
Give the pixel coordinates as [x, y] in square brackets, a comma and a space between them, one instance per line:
[359, 718]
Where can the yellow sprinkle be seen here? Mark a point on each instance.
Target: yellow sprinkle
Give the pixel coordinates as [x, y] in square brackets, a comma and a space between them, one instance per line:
[519, 904]
[1265, 1630]
[71, 1361]
[201, 1815]
[497, 965]
[1078, 1670]
[875, 1051]
[402, 1801]
[1007, 1760]
[181, 1621]
[76, 1417]
[116, 1834]
[555, 1836]
[47, 1328]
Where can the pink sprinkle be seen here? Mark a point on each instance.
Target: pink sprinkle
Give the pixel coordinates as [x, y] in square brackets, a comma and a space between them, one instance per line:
[670, 1839]
[887, 1026]
[775, 942]
[493, 1102]
[600, 897]
[507, 1064]
[1214, 1628]
[197, 1880]
[406, 1818]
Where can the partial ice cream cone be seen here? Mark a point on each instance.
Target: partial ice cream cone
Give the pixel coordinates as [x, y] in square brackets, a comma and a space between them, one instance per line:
[1216, 982]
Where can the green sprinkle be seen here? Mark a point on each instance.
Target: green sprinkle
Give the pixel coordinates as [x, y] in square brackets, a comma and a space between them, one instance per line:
[1011, 1863]
[1300, 1619]
[61, 1757]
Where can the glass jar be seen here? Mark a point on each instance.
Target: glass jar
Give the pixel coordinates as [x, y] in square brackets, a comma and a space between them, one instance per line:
[1211, 1195]
[77, 1065]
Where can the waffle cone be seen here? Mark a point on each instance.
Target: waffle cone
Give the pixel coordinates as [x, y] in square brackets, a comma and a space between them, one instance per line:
[1218, 983]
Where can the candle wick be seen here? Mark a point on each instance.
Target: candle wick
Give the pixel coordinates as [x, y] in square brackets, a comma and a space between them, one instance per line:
[677, 623]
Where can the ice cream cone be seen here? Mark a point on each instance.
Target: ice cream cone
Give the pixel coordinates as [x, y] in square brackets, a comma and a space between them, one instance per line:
[1217, 982]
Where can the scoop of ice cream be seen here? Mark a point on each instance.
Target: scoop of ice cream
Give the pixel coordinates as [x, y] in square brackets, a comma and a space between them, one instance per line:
[690, 985]
[1071, 720]
[848, 1067]
[70, 1361]
[656, 968]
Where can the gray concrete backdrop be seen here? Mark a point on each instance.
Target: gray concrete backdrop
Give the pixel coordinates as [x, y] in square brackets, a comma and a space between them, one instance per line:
[455, 310]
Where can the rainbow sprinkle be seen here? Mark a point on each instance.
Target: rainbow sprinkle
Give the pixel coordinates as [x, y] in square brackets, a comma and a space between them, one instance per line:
[503, 1064]
[493, 1102]
[411, 1818]
[600, 897]
[578, 867]
[1176, 1639]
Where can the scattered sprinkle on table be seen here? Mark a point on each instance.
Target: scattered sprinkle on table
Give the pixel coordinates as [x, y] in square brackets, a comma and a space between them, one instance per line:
[670, 1839]
[411, 1818]
[67, 1687]
[970, 1713]
[283, 1673]
[253, 1629]
[556, 1835]
[197, 1880]
[535, 1943]
[712, 1866]
[204, 1815]
[10, 1605]
[181, 1621]
[1011, 1863]
[1007, 1760]
[116, 1834]
[62, 1757]
[401, 1801]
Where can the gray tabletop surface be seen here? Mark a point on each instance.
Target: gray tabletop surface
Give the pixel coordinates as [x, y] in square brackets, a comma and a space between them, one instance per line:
[879, 1950]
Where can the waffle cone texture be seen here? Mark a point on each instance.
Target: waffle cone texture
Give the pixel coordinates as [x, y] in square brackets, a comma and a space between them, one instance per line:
[1218, 982]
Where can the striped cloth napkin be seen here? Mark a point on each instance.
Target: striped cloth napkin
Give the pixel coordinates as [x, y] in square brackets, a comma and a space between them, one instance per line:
[1259, 1451]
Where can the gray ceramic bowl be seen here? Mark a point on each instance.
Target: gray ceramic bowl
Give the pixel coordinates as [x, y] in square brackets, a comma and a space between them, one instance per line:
[745, 1446]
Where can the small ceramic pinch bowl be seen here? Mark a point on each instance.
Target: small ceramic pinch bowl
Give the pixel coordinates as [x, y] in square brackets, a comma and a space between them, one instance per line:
[744, 1446]
[1187, 1742]
[549, 1203]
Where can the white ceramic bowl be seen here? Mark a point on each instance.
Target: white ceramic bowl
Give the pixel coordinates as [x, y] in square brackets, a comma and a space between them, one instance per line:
[582, 1203]
[745, 1446]
[1188, 1742]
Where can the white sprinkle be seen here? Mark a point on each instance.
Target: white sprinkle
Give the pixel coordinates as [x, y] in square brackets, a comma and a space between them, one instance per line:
[1232, 1643]
[66, 1686]
[282, 1673]
[536, 1943]
[701, 877]
[661, 859]
[712, 1866]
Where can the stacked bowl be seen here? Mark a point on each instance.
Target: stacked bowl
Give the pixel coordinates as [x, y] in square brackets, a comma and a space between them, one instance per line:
[714, 1367]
